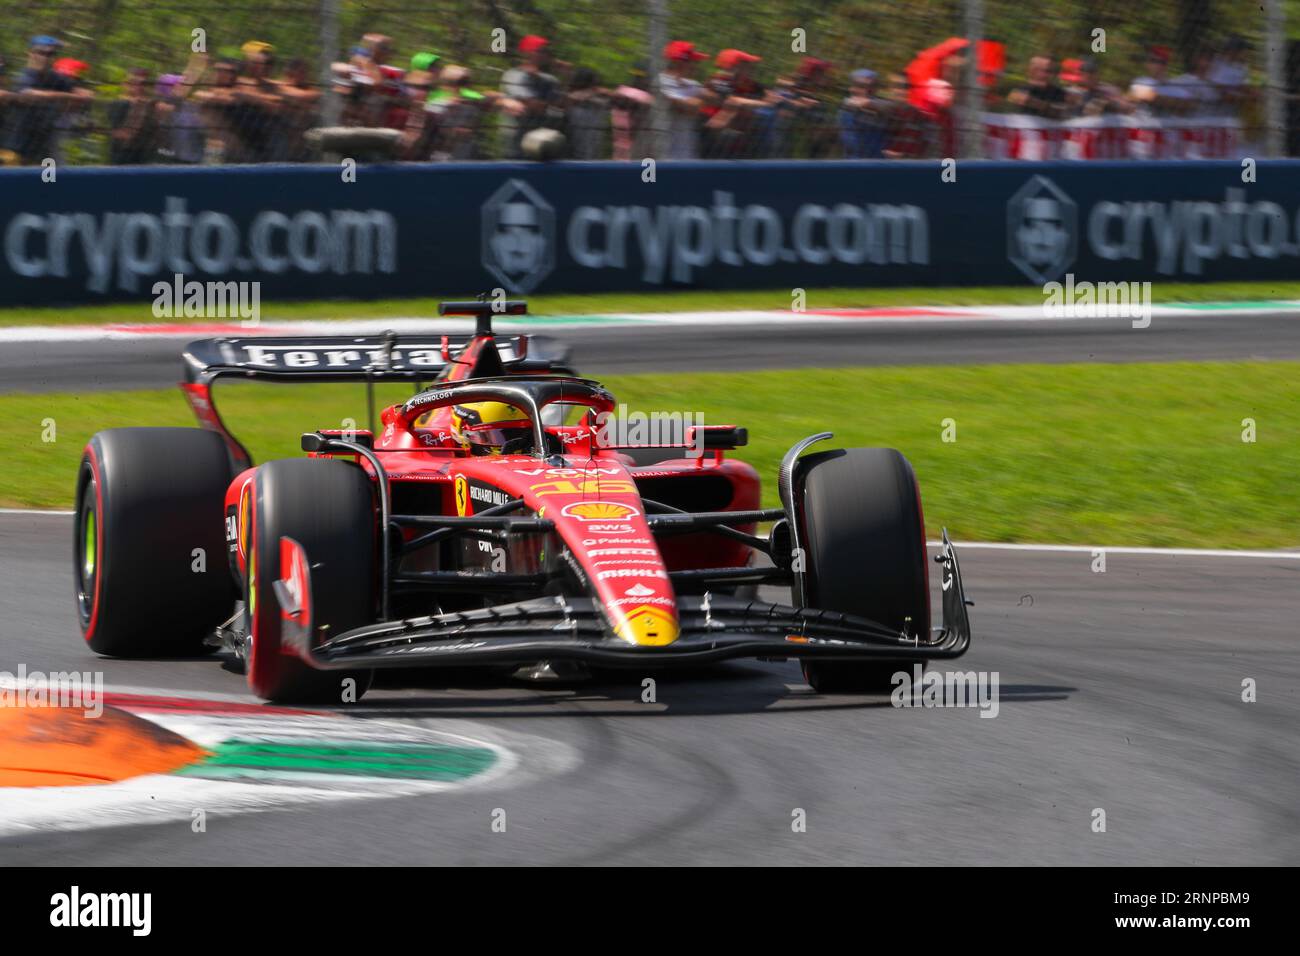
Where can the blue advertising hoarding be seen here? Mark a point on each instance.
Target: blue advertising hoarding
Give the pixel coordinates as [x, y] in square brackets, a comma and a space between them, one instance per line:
[99, 235]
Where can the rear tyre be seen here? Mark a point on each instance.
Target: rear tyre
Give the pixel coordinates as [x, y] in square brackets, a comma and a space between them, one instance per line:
[864, 539]
[327, 507]
[150, 552]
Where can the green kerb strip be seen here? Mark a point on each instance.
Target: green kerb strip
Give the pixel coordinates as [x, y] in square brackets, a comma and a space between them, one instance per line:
[1263, 304]
[263, 759]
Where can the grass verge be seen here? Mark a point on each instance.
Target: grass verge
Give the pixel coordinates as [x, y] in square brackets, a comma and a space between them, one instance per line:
[671, 301]
[1134, 454]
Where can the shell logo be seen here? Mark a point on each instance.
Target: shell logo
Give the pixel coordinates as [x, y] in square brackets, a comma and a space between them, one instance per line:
[648, 626]
[598, 511]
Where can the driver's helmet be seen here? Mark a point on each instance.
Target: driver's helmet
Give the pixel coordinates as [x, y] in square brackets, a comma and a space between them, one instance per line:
[489, 428]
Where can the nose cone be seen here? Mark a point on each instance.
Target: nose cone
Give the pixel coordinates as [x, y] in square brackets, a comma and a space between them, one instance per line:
[648, 627]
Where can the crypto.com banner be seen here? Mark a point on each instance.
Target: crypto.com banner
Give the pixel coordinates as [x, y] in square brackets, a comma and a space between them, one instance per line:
[96, 235]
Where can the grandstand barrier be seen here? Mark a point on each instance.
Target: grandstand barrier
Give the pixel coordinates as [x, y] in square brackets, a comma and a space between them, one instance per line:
[110, 234]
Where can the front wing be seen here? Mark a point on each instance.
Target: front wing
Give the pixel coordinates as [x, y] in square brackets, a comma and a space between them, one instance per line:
[555, 627]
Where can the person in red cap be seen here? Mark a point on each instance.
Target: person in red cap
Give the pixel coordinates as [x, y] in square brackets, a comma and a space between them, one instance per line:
[532, 95]
[733, 59]
[733, 128]
[1156, 94]
[803, 121]
[685, 98]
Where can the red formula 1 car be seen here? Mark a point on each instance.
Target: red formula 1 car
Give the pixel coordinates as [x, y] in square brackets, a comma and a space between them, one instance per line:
[493, 521]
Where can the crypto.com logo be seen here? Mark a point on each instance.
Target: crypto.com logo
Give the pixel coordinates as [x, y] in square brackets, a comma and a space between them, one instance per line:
[518, 236]
[1042, 230]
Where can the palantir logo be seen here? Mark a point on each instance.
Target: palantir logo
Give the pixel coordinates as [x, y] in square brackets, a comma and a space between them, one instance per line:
[1042, 230]
[518, 236]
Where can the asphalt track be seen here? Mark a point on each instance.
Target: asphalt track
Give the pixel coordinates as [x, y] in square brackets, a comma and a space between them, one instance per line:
[154, 363]
[1118, 690]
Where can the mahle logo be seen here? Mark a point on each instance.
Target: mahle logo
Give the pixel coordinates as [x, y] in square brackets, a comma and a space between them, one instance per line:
[518, 236]
[1042, 230]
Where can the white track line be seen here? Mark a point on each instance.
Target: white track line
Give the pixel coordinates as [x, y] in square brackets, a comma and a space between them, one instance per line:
[1089, 549]
[883, 315]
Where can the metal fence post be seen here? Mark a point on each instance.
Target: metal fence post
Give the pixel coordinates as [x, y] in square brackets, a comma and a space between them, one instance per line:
[657, 36]
[971, 144]
[1275, 90]
[329, 51]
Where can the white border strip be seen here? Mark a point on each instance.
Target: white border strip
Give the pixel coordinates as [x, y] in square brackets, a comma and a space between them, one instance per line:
[1089, 549]
[876, 315]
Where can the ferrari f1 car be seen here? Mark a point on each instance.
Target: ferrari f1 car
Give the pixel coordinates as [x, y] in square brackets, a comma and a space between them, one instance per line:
[491, 521]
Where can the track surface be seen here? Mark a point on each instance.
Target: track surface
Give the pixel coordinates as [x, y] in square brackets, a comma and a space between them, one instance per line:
[154, 363]
[1119, 690]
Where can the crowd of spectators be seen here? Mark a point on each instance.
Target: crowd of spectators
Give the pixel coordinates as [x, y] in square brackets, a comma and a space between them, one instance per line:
[254, 108]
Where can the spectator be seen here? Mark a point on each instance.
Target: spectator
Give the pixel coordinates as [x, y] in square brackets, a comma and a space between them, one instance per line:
[259, 107]
[76, 120]
[370, 58]
[461, 109]
[814, 122]
[587, 115]
[863, 132]
[907, 129]
[800, 120]
[300, 101]
[937, 102]
[421, 131]
[1086, 95]
[1201, 93]
[628, 117]
[133, 121]
[379, 99]
[533, 93]
[1040, 95]
[685, 96]
[218, 106]
[7, 156]
[41, 95]
[180, 138]
[733, 122]
[351, 95]
[1230, 75]
[1155, 94]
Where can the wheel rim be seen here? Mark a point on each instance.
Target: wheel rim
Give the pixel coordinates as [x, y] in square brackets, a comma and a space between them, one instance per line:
[87, 553]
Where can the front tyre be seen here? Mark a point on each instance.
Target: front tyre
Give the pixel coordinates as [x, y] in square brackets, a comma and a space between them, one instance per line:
[149, 548]
[328, 508]
[864, 537]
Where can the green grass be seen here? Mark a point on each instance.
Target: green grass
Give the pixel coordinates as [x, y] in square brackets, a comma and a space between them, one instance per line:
[1139, 454]
[676, 301]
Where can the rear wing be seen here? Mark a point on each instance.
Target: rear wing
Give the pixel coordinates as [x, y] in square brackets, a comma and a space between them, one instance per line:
[367, 359]
[361, 358]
